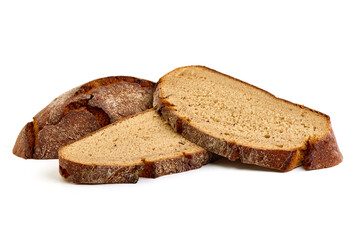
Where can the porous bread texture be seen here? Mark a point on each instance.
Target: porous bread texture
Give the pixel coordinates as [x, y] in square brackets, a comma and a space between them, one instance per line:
[239, 121]
[141, 145]
[80, 111]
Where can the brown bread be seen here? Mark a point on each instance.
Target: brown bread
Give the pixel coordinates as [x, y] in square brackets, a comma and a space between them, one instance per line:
[140, 145]
[81, 111]
[236, 120]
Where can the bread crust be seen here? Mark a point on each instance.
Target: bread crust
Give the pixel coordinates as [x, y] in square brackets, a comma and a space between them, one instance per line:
[98, 174]
[24, 145]
[71, 127]
[176, 165]
[101, 174]
[100, 101]
[316, 154]
[323, 153]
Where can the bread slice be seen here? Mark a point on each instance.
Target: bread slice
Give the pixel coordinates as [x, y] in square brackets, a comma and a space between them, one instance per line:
[80, 111]
[140, 145]
[236, 120]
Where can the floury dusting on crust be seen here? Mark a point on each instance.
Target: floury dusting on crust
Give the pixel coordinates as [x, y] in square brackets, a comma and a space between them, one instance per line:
[80, 111]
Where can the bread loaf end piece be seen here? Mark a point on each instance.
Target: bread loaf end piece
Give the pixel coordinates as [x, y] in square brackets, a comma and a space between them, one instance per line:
[80, 111]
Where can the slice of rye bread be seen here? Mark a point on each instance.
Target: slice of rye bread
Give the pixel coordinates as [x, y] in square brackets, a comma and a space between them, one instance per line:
[80, 111]
[140, 145]
[236, 120]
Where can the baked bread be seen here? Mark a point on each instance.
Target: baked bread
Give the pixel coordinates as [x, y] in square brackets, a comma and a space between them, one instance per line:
[80, 111]
[140, 145]
[236, 120]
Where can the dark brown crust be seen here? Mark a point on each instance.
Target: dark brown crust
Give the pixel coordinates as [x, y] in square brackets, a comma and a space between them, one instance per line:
[122, 99]
[71, 127]
[24, 145]
[95, 174]
[176, 165]
[100, 174]
[314, 157]
[94, 98]
[323, 153]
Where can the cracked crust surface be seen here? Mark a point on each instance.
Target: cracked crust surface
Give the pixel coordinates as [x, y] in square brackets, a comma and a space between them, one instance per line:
[80, 111]
[142, 145]
[212, 110]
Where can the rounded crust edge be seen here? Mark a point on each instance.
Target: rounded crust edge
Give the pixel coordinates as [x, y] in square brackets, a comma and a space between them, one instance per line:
[323, 153]
[98, 174]
[24, 145]
[320, 153]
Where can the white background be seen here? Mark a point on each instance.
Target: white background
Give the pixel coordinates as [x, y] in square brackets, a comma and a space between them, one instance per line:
[304, 51]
